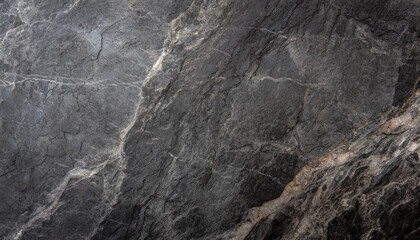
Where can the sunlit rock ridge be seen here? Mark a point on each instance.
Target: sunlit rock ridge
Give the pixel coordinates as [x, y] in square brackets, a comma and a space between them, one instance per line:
[222, 119]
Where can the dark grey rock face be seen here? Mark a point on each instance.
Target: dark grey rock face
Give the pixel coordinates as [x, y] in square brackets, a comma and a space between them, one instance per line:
[369, 188]
[143, 119]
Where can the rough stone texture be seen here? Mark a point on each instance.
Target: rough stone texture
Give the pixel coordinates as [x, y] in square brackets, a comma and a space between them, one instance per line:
[368, 188]
[141, 119]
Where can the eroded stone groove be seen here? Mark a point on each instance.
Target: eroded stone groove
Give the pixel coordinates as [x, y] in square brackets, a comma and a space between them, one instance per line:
[191, 119]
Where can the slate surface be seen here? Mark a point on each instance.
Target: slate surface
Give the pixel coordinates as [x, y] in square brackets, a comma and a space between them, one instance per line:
[172, 119]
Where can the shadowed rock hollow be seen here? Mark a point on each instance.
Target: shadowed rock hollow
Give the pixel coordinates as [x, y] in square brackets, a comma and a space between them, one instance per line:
[141, 119]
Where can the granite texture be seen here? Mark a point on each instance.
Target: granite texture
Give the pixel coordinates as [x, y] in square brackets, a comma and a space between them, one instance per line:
[190, 119]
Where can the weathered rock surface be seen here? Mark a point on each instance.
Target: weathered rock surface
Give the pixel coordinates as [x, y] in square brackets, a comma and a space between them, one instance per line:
[142, 119]
[368, 188]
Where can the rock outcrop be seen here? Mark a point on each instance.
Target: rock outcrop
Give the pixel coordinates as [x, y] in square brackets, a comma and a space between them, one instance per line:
[223, 119]
[367, 188]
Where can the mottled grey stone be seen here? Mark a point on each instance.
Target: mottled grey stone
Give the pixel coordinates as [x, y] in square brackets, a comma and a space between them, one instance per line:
[143, 119]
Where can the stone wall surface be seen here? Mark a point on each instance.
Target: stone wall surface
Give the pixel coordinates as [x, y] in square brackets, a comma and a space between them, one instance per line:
[199, 119]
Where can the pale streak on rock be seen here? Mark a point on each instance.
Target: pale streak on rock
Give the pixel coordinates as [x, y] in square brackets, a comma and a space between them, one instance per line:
[222, 52]
[55, 80]
[287, 79]
[44, 212]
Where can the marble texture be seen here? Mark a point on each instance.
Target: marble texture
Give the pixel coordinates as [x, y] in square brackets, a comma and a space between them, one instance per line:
[141, 119]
